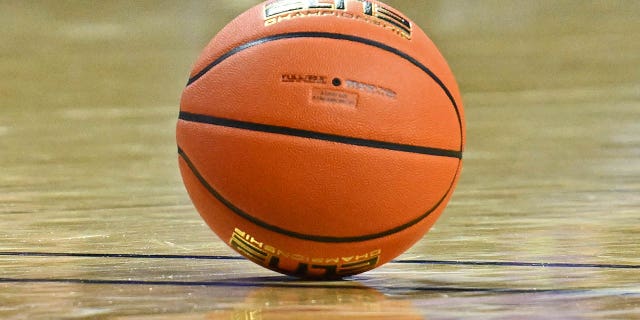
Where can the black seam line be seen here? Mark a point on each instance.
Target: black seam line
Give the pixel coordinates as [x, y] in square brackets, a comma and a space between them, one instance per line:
[204, 119]
[336, 36]
[294, 234]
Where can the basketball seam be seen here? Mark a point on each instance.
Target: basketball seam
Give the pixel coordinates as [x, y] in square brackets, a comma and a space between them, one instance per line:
[317, 238]
[337, 36]
[259, 127]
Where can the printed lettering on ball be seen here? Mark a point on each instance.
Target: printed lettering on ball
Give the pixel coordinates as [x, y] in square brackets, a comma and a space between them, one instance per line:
[320, 139]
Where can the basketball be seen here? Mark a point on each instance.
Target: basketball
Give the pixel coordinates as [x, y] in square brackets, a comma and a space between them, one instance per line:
[320, 138]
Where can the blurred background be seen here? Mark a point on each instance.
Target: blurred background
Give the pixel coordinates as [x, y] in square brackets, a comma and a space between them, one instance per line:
[493, 45]
[89, 97]
[90, 94]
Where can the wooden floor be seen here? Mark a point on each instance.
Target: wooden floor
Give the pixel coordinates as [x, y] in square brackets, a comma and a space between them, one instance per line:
[95, 222]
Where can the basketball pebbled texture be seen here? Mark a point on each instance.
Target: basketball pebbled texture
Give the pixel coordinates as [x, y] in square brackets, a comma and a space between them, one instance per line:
[320, 139]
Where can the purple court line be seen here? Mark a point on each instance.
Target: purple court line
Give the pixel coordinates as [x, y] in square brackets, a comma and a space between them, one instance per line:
[118, 255]
[282, 283]
[521, 264]
[408, 261]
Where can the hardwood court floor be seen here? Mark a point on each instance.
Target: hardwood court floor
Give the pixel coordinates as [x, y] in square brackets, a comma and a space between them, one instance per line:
[95, 222]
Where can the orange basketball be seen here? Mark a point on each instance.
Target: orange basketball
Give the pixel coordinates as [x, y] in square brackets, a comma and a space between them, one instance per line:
[320, 138]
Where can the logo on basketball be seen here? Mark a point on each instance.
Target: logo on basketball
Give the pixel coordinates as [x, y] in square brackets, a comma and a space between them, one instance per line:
[371, 12]
[271, 257]
[306, 78]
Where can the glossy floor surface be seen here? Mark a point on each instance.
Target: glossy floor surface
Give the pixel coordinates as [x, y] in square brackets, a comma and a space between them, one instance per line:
[95, 221]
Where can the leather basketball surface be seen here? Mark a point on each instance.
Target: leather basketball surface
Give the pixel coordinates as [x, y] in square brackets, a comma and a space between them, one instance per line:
[320, 138]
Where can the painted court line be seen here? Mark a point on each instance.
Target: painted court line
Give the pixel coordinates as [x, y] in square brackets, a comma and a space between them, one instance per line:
[407, 261]
[345, 285]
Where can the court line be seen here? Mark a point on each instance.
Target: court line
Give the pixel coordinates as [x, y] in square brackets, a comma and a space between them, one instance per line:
[284, 284]
[119, 255]
[405, 261]
[522, 264]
